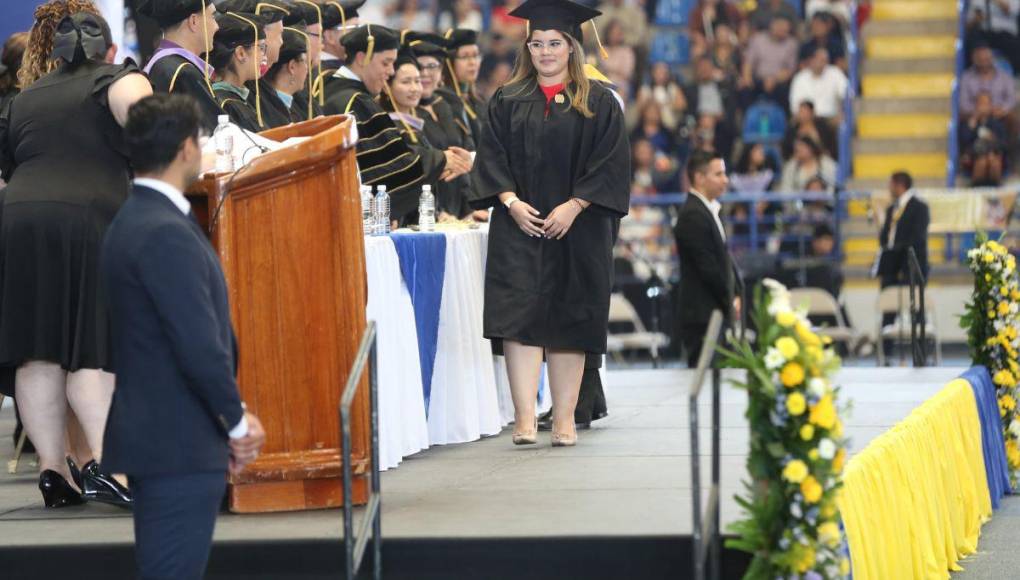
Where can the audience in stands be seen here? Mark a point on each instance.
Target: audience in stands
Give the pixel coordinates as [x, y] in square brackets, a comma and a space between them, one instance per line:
[653, 171]
[804, 123]
[10, 64]
[769, 63]
[769, 10]
[840, 9]
[821, 83]
[995, 23]
[725, 52]
[982, 144]
[622, 62]
[462, 14]
[808, 161]
[756, 171]
[631, 18]
[705, 17]
[824, 32]
[711, 93]
[663, 89]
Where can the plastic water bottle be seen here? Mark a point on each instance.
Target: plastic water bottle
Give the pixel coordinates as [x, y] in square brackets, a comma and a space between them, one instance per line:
[224, 141]
[427, 210]
[382, 211]
[367, 211]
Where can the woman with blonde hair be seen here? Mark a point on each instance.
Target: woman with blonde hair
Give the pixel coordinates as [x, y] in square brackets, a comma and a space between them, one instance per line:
[553, 153]
[63, 156]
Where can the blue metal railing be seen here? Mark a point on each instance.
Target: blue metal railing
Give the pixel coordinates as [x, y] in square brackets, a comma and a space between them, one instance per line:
[849, 122]
[953, 163]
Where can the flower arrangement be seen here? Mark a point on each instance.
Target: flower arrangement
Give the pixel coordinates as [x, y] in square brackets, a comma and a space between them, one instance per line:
[991, 319]
[798, 449]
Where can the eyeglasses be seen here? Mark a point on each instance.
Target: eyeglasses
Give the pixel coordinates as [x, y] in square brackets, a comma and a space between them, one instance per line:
[315, 34]
[552, 45]
[432, 67]
[477, 57]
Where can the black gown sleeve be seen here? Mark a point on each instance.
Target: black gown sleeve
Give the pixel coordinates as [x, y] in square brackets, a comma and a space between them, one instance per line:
[492, 175]
[433, 161]
[605, 178]
[6, 150]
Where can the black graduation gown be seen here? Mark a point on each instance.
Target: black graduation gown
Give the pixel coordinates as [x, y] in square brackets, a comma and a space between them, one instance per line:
[442, 131]
[175, 74]
[241, 113]
[433, 160]
[543, 292]
[383, 156]
[274, 112]
[460, 113]
[299, 108]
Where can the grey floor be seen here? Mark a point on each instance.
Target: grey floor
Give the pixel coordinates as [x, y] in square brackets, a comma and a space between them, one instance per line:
[998, 556]
[629, 475]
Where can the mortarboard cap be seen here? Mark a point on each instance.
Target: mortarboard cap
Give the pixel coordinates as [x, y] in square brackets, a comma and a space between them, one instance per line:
[425, 43]
[270, 11]
[369, 38]
[406, 55]
[305, 10]
[238, 29]
[167, 13]
[344, 10]
[562, 15]
[458, 37]
[295, 43]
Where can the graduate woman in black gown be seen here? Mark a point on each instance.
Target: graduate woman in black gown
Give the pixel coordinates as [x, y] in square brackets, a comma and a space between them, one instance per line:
[239, 56]
[63, 156]
[554, 161]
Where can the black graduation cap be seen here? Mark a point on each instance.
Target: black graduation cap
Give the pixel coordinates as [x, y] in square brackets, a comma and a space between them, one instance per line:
[166, 13]
[458, 37]
[305, 10]
[425, 43]
[406, 55]
[341, 11]
[295, 43]
[238, 29]
[370, 38]
[269, 10]
[562, 15]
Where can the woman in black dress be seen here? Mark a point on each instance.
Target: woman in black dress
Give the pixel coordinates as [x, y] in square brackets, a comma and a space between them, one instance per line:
[62, 156]
[553, 151]
[238, 55]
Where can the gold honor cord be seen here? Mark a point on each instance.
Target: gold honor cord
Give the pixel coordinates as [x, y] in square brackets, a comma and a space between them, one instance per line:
[456, 81]
[396, 109]
[309, 75]
[318, 11]
[261, 5]
[403, 35]
[343, 13]
[255, 62]
[205, 34]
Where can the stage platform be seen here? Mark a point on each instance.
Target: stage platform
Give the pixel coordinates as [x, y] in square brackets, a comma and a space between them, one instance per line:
[616, 506]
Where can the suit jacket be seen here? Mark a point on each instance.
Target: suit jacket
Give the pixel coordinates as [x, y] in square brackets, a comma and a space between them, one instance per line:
[708, 277]
[911, 232]
[174, 350]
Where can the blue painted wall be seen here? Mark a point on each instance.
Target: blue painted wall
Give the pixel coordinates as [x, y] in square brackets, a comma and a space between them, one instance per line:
[16, 16]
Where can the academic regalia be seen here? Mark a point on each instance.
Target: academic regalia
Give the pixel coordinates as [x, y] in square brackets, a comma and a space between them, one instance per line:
[274, 112]
[300, 106]
[383, 157]
[466, 103]
[234, 102]
[552, 293]
[241, 103]
[441, 129]
[173, 69]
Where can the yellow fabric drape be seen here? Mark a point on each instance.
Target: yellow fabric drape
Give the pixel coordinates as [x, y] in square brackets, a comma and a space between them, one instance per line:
[914, 499]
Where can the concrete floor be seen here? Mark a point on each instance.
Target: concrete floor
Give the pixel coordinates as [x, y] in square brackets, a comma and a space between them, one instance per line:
[997, 557]
[629, 475]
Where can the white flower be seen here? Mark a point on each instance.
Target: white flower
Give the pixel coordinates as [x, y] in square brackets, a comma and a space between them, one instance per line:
[779, 304]
[773, 285]
[1013, 308]
[973, 253]
[826, 449]
[795, 510]
[999, 325]
[817, 387]
[1014, 429]
[774, 359]
[996, 266]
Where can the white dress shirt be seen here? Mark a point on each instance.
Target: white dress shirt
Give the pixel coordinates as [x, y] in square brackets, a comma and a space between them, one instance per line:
[826, 91]
[182, 203]
[713, 207]
[346, 73]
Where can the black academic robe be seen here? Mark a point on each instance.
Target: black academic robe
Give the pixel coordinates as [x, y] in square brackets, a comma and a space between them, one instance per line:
[547, 292]
[911, 232]
[383, 156]
[274, 112]
[442, 130]
[241, 113]
[175, 74]
[299, 107]
[465, 117]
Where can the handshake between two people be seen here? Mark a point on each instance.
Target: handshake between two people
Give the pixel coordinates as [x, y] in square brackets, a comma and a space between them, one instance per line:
[458, 162]
[246, 449]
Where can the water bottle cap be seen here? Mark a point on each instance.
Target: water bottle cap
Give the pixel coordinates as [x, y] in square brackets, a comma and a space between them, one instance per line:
[223, 119]
[426, 187]
[381, 188]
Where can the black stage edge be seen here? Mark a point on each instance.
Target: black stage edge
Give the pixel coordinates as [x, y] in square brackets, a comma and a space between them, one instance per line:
[596, 558]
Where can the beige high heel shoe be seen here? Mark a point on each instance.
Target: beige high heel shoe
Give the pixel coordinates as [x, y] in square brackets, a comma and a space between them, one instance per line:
[526, 438]
[564, 439]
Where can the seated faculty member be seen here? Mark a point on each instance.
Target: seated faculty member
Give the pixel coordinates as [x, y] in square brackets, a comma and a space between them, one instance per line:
[176, 423]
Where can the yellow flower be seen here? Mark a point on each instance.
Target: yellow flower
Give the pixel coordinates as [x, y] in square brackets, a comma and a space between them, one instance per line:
[1003, 308]
[792, 375]
[839, 461]
[806, 336]
[844, 567]
[807, 432]
[828, 510]
[828, 534]
[1012, 453]
[823, 414]
[991, 314]
[811, 489]
[837, 429]
[988, 277]
[1004, 378]
[1014, 294]
[795, 471]
[826, 340]
[1003, 291]
[786, 319]
[1007, 402]
[807, 560]
[796, 404]
[813, 455]
[989, 258]
[788, 347]
[814, 353]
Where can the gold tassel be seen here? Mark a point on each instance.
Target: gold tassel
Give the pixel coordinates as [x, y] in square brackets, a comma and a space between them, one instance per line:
[343, 14]
[318, 11]
[602, 50]
[403, 35]
[205, 33]
[261, 5]
[460, 93]
[389, 94]
[371, 45]
[311, 90]
[255, 62]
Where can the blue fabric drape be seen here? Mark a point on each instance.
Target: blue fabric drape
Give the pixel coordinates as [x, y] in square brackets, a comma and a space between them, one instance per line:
[423, 266]
[992, 441]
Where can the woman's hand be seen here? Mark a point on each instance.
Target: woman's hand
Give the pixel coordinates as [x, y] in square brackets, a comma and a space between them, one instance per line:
[527, 218]
[561, 218]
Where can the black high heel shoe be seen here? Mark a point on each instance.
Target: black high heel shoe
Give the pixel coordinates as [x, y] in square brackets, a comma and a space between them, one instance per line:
[102, 487]
[75, 472]
[56, 491]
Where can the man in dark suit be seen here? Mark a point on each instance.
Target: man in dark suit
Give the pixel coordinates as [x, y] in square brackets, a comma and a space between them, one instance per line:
[176, 423]
[708, 277]
[906, 226]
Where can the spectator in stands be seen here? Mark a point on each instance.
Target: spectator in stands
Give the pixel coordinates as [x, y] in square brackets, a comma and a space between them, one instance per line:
[769, 63]
[502, 23]
[725, 52]
[982, 140]
[650, 127]
[631, 18]
[620, 65]
[756, 171]
[984, 77]
[10, 64]
[995, 23]
[663, 89]
[714, 135]
[653, 171]
[808, 161]
[409, 15]
[821, 83]
[805, 124]
[705, 17]
[769, 10]
[824, 33]
[840, 9]
[463, 14]
[711, 93]
[824, 272]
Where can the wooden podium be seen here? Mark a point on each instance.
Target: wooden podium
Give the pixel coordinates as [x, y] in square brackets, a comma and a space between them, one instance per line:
[289, 235]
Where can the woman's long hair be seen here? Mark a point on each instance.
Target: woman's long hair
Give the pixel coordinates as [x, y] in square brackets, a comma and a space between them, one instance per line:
[578, 87]
[37, 62]
[14, 50]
